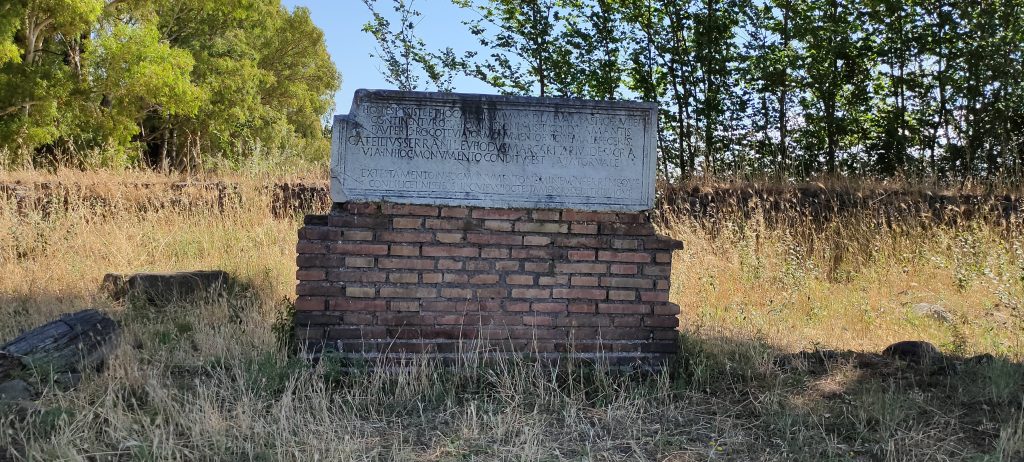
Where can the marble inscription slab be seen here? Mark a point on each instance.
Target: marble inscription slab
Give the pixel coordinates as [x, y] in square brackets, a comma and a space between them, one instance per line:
[495, 151]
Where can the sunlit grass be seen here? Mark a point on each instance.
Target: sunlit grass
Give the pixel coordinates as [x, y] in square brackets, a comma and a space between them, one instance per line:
[212, 381]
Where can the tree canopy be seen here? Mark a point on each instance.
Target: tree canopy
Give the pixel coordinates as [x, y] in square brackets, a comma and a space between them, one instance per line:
[171, 84]
[790, 88]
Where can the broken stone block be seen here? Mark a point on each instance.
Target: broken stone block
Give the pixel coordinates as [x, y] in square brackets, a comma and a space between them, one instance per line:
[165, 288]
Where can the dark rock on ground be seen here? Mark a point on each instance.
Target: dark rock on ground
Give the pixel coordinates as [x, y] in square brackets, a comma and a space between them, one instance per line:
[165, 288]
[913, 351]
[74, 343]
[16, 390]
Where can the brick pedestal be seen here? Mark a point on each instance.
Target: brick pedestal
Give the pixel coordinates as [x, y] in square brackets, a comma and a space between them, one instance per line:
[401, 280]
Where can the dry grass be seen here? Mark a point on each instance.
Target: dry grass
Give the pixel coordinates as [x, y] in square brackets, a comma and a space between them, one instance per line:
[211, 381]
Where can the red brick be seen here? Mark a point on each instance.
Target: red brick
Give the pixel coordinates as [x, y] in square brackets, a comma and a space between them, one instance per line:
[445, 264]
[582, 255]
[589, 242]
[356, 235]
[450, 238]
[663, 257]
[406, 263]
[535, 227]
[498, 225]
[584, 321]
[519, 279]
[624, 269]
[399, 319]
[447, 225]
[311, 247]
[494, 239]
[535, 267]
[623, 308]
[573, 215]
[358, 319]
[658, 270]
[357, 304]
[587, 281]
[484, 279]
[360, 292]
[622, 229]
[661, 285]
[626, 257]
[549, 307]
[405, 250]
[357, 276]
[583, 228]
[553, 280]
[407, 209]
[518, 306]
[547, 215]
[360, 249]
[662, 334]
[310, 275]
[588, 294]
[407, 292]
[592, 268]
[661, 321]
[627, 282]
[359, 262]
[319, 233]
[622, 295]
[531, 293]
[449, 251]
[454, 212]
[667, 309]
[626, 244]
[499, 214]
[450, 292]
[324, 261]
[492, 252]
[626, 321]
[536, 240]
[582, 307]
[404, 278]
[537, 252]
[432, 278]
[406, 223]
[406, 236]
[492, 292]
[478, 266]
[363, 208]
[310, 303]
[453, 278]
[360, 221]
[538, 321]
[321, 289]
[657, 296]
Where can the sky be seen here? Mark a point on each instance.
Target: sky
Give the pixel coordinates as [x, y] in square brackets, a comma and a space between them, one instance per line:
[342, 21]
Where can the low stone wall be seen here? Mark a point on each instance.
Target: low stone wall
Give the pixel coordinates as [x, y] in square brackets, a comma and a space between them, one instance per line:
[397, 280]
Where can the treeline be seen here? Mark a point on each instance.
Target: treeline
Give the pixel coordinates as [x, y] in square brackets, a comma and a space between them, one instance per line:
[790, 88]
[170, 84]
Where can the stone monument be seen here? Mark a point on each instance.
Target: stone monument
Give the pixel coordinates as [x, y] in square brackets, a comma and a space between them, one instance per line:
[466, 223]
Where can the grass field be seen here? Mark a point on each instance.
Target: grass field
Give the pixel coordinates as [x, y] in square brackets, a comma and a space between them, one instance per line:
[212, 382]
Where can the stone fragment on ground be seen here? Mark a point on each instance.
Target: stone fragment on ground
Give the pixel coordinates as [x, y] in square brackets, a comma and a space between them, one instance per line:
[936, 312]
[16, 390]
[165, 288]
[913, 351]
[74, 343]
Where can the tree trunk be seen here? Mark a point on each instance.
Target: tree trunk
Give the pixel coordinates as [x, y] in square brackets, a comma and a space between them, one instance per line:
[73, 343]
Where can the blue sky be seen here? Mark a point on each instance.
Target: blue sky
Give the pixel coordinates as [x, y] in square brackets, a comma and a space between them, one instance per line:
[342, 22]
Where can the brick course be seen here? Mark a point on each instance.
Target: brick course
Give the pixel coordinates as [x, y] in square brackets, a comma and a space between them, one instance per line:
[380, 280]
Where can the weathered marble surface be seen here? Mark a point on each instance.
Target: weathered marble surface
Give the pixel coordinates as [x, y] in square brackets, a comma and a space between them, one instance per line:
[495, 151]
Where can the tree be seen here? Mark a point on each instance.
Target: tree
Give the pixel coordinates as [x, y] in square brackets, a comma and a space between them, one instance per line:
[167, 83]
